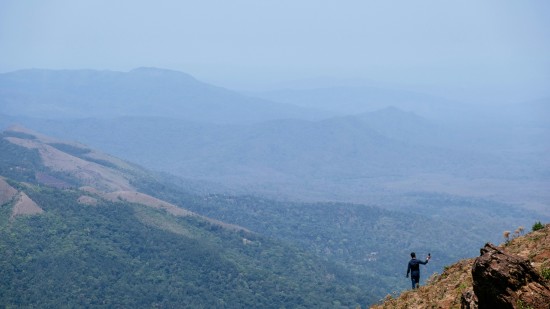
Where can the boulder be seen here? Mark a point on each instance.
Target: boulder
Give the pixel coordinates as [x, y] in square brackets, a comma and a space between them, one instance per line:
[503, 280]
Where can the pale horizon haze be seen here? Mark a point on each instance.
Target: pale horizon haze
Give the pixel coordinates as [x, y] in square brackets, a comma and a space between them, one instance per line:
[484, 46]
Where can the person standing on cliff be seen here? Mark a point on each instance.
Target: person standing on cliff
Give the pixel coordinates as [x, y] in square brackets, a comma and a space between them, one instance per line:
[414, 269]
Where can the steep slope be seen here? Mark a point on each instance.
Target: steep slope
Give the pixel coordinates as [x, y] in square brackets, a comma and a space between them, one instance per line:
[514, 275]
[140, 92]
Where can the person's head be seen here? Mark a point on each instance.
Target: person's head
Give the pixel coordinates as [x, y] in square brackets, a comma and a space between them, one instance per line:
[413, 255]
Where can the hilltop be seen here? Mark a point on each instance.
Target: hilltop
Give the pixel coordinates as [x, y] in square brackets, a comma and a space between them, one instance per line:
[513, 275]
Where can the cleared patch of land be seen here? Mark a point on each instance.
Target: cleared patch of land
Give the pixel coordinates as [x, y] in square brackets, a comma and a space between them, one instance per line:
[25, 206]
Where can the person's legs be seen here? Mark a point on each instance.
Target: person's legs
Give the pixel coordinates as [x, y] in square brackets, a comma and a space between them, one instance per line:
[415, 280]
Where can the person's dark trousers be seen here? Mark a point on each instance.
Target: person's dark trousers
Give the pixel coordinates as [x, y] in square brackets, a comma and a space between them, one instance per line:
[415, 280]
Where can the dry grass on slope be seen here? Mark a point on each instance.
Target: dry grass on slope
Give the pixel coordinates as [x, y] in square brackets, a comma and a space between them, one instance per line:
[441, 291]
[90, 173]
[534, 246]
[25, 206]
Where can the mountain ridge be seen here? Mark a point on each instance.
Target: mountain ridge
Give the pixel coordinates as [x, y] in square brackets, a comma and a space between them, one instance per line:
[139, 92]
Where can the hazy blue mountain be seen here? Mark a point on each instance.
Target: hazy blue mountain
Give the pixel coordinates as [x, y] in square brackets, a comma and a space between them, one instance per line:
[140, 92]
[408, 127]
[342, 147]
[361, 99]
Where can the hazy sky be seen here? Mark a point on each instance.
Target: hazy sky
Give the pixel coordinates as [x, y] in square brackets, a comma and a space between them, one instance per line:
[237, 42]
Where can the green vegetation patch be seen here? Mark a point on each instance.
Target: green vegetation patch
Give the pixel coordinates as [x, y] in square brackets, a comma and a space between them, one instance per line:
[18, 162]
[537, 226]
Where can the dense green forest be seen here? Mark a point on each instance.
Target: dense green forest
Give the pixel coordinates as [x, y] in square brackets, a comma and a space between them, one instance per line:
[127, 255]
[118, 254]
[368, 241]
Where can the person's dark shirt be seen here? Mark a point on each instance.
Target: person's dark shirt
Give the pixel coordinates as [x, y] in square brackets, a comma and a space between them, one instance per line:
[414, 267]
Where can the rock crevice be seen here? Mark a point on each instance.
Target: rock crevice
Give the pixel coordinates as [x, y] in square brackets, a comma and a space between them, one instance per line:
[503, 280]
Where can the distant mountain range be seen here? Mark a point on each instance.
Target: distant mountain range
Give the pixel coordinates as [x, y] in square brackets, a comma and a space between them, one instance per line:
[140, 92]
[361, 99]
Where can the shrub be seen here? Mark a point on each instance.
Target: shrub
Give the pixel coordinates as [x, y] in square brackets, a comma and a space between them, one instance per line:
[537, 226]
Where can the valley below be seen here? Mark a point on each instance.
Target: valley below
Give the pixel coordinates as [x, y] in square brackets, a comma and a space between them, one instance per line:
[280, 204]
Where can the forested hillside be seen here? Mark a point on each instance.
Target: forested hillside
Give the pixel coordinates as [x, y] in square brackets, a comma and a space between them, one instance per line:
[117, 254]
[85, 249]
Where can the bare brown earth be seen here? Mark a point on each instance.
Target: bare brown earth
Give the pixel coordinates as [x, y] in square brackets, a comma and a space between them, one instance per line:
[7, 192]
[445, 290]
[25, 206]
[91, 173]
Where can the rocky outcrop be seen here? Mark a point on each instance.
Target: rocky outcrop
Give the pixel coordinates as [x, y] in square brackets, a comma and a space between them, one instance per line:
[503, 280]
